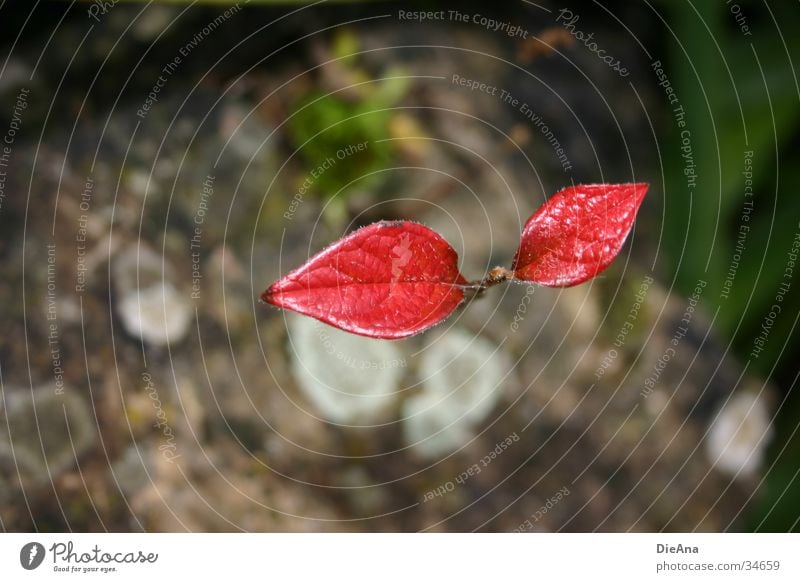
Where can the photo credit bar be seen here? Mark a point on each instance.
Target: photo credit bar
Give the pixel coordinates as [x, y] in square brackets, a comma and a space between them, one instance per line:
[357, 557]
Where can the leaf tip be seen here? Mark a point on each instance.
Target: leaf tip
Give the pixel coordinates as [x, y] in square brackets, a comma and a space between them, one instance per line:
[270, 295]
[640, 189]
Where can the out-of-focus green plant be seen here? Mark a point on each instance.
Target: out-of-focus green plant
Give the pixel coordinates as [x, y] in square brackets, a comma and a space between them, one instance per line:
[740, 95]
[341, 135]
[326, 124]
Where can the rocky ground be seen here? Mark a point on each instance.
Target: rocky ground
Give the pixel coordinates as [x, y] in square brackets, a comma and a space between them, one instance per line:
[144, 388]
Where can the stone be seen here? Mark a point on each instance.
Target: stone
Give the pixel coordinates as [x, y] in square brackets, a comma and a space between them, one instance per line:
[149, 304]
[739, 435]
[462, 379]
[49, 429]
[347, 378]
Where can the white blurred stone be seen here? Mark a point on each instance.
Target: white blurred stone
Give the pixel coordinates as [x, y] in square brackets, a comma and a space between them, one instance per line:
[462, 378]
[149, 305]
[157, 314]
[739, 435]
[431, 428]
[348, 378]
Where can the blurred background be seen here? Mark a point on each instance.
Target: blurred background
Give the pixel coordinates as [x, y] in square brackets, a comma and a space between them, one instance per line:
[161, 163]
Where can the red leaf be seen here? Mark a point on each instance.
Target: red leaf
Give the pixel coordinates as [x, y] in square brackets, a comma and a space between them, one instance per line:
[388, 280]
[577, 233]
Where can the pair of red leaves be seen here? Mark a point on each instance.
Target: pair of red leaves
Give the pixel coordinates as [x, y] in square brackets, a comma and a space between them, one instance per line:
[391, 280]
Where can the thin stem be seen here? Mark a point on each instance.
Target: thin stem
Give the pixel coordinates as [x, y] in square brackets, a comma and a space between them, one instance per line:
[494, 277]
